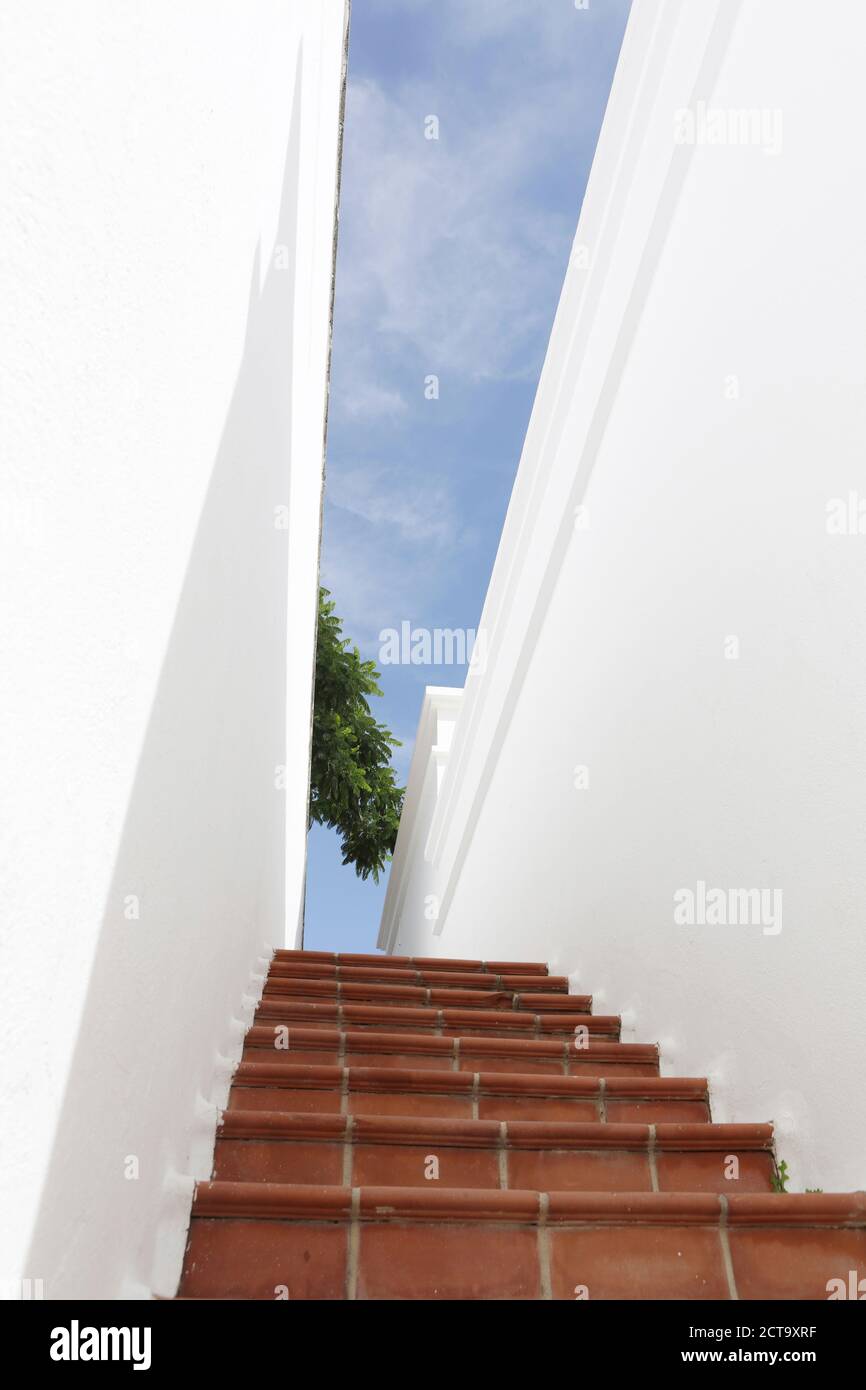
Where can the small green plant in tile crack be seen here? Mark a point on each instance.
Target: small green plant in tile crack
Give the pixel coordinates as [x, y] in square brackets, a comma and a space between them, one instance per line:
[780, 1177]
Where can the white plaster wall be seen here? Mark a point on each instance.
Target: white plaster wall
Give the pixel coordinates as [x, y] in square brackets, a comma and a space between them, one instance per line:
[705, 518]
[169, 182]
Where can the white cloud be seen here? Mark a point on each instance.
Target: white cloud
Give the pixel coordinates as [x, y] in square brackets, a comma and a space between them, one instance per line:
[368, 401]
[543, 25]
[391, 540]
[451, 256]
[452, 251]
[420, 512]
[442, 258]
[546, 30]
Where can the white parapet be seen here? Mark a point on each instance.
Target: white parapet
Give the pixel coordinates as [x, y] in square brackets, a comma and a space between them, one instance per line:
[656, 782]
[411, 894]
[168, 214]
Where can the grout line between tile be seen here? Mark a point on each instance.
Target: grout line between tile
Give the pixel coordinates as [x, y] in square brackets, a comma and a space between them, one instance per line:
[544, 1247]
[354, 1243]
[727, 1261]
[651, 1156]
[348, 1150]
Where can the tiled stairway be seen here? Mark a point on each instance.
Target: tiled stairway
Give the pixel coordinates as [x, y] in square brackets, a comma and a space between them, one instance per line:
[446, 1129]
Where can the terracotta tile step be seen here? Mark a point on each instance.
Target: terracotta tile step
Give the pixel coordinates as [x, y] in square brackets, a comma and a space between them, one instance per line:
[486, 1095]
[442, 1022]
[368, 1047]
[421, 997]
[444, 979]
[376, 1150]
[266, 1240]
[495, 967]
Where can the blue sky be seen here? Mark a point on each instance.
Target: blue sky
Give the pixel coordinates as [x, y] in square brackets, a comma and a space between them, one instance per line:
[451, 256]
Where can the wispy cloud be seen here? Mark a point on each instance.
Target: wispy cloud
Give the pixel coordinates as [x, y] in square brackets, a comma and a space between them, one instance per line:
[379, 495]
[390, 537]
[546, 28]
[442, 261]
[368, 401]
[452, 249]
[451, 257]
[450, 261]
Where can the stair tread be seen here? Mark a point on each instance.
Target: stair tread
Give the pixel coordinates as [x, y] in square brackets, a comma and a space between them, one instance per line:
[375, 1078]
[293, 990]
[478, 979]
[276, 1124]
[222, 1198]
[264, 1037]
[498, 967]
[548, 1125]
[512, 1020]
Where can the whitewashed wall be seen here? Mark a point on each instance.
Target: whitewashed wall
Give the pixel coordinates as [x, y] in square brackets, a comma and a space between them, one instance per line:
[702, 404]
[169, 181]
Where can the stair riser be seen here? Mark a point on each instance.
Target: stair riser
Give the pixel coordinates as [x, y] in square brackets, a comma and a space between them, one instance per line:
[585, 1063]
[273, 1014]
[389, 996]
[432, 979]
[565, 1170]
[490, 967]
[358, 1060]
[598, 1033]
[488, 1107]
[267, 1259]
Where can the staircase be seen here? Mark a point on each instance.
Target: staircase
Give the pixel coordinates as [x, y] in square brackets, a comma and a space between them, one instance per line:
[443, 1129]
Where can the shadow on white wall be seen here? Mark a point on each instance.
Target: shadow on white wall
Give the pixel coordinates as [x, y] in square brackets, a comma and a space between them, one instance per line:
[201, 855]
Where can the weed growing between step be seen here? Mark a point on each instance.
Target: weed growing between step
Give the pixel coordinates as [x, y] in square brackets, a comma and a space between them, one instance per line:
[780, 1178]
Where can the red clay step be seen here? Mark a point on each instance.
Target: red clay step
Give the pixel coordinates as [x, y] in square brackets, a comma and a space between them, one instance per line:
[382, 1150]
[495, 967]
[257, 1240]
[447, 979]
[335, 1047]
[423, 996]
[436, 1128]
[442, 1022]
[485, 1095]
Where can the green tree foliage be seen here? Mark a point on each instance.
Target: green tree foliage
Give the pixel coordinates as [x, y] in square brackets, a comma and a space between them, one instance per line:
[352, 786]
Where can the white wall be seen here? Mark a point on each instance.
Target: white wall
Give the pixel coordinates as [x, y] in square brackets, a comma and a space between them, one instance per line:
[169, 182]
[703, 399]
